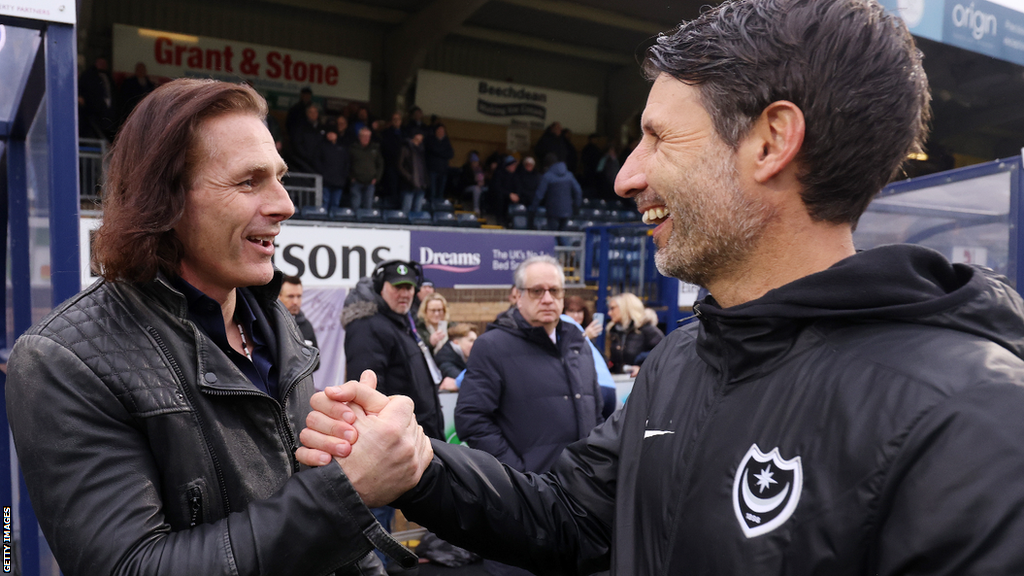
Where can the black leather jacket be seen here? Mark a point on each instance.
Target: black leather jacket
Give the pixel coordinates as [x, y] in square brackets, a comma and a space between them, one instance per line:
[146, 451]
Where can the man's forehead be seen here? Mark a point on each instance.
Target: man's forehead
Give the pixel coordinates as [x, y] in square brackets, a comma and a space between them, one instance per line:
[542, 271]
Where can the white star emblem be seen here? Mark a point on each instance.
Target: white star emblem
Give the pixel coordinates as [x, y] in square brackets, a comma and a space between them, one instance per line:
[764, 479]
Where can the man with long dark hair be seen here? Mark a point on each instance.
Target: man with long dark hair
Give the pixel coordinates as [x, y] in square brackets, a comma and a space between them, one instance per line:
[831, 411]
[156, 412]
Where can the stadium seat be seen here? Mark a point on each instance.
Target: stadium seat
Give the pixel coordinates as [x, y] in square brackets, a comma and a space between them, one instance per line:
[343, 214]
[395, 217]
[520, 222]
[572, 225]
[313, 213]
[369, 215]
[420, 218]
[516, 208]
[467, 220]
[540, 222]
[444, 219]
[443, 205]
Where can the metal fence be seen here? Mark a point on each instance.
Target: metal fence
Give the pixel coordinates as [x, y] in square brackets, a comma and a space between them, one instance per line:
[304, 189]
[92, 167]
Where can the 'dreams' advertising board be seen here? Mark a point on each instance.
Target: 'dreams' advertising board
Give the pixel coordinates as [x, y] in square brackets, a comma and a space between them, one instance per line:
[474, 258]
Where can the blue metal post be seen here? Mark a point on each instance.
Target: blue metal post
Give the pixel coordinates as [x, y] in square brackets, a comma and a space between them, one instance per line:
[1015, 268]
[62, 139]
[21, 293]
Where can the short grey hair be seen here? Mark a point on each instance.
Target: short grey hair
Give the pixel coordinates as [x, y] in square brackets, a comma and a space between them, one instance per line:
[519, 277]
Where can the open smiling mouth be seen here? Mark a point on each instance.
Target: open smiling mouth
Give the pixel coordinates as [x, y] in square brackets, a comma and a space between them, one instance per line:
[264, 241]
[656, 215]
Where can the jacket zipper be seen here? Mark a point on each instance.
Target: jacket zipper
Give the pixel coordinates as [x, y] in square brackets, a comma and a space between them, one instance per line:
[279, 414]
[199, 420]
[195, 506]
[698, 442]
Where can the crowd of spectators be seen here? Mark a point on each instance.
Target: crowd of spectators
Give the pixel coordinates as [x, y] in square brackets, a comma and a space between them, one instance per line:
[405, 163]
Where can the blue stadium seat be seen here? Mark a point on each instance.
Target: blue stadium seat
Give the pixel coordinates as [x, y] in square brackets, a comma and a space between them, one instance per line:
[542, 211]
[442, 205]
[516, 208]
[540, 222]
[520, 222]
[629, 215]
[395, 217]
[343, 214]
[421, 218]
[572, 225]
[444, 219]
[467, 220]
[369, 215]
[313, 213]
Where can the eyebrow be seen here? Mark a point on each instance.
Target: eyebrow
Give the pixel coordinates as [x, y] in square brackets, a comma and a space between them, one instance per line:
[264, 168]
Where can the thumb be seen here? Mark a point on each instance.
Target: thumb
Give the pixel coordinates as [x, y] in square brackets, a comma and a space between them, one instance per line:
[368, 377]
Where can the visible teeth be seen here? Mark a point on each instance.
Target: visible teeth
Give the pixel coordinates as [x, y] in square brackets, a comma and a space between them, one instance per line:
[654, 214]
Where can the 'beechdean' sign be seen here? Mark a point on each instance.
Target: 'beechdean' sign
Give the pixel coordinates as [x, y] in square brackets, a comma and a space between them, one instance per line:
[496, 102]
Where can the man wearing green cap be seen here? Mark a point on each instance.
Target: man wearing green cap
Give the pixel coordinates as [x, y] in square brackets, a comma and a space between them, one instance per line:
[380, 335]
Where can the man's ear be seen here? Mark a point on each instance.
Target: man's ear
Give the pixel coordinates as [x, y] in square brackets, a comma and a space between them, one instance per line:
[777, 137]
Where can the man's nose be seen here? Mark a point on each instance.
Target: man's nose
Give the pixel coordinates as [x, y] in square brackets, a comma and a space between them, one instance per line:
[631, 179]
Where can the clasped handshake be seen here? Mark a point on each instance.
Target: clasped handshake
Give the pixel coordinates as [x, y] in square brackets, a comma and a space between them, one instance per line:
[375, 439]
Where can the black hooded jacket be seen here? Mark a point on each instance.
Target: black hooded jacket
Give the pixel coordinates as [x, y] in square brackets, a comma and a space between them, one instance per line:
[866, 419]
[378, 339]
[524, 399]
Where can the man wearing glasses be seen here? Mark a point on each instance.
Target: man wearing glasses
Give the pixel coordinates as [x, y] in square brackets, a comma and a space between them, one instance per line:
[530, 387]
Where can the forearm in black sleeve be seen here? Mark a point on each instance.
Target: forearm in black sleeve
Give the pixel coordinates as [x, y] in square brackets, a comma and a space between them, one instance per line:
[554, 523]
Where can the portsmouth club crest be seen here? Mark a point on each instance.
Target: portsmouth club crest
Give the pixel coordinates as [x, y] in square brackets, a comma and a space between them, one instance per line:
[766, 490]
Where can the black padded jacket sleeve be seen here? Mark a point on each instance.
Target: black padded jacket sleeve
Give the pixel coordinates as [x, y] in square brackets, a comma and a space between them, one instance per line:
[95, 486]
[554, 523]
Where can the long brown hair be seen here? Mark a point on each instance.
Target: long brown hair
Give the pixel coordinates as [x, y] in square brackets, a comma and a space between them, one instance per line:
[153, 164]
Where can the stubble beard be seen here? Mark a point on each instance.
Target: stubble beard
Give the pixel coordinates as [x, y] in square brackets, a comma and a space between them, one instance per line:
[715, 226]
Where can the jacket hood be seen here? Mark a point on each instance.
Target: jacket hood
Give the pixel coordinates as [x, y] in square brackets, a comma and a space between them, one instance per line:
[897, 283]
[558, 169]
[362, 302]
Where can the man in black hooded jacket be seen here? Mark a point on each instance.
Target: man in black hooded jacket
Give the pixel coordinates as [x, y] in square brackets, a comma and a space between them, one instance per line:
[830, 412]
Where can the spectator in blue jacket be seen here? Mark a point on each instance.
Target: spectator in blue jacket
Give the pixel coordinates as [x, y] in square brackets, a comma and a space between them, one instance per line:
[559, 192]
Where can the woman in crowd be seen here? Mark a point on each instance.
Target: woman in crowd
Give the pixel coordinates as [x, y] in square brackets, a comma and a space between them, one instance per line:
[432, 321]
[578, 309]
[629, 332]
[452, 357]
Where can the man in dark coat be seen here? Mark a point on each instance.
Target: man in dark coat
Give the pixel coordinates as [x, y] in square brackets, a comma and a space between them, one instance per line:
[333, 165]
[97, 115]
[412, 165]
[306, 138]
[439, 154]
[156, 413]
[530, 387]
[133, 89]
[380, 335]
[829, 411]
[559, 192]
